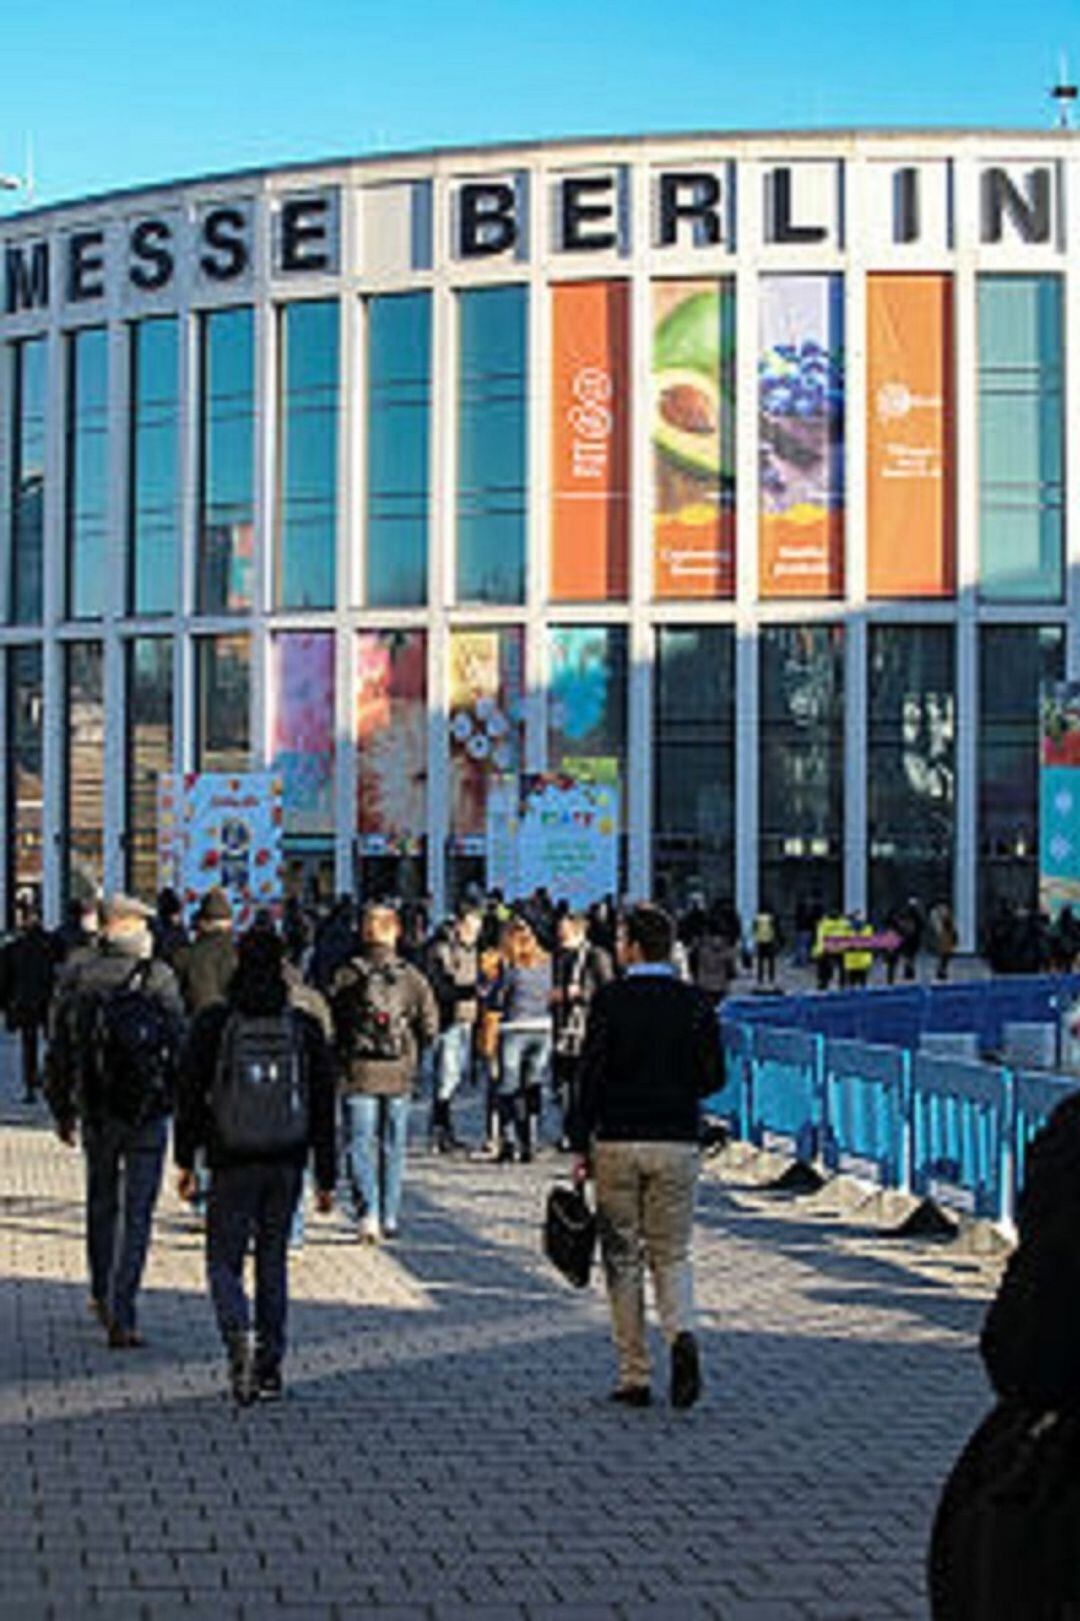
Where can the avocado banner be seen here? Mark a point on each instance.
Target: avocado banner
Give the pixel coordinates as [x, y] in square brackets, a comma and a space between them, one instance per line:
[801, 433]
[590, 471]
[693, 434]
[910, 526]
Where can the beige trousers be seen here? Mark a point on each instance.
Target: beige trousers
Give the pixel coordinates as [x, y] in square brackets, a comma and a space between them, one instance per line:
[645, 1211]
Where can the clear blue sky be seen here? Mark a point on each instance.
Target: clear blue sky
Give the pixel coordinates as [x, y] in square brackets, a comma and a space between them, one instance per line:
[116, 92]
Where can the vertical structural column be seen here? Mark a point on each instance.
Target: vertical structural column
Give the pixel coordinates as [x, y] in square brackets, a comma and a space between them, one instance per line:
[351, 510]
[443, 481]
[266, 431]
[856, 533]
[116, 559]
[639, 739]
[538, 484]
[185, 691]
[966, 361]
[54, 809]
[746, 549]
[7, 401]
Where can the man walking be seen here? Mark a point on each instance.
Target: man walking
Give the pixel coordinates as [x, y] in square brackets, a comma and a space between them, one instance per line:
[257, 1094]
[453, 966]
[384, 1016]
[580, 969]
[28, 967]
[652, 1052]
[112, 1062]
[206, 967]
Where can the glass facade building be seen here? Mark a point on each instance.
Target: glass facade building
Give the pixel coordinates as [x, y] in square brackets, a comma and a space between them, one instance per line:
[401, 479]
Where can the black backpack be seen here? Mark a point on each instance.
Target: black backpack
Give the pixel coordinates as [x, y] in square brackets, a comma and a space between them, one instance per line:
[132, 1047]
[370, 1018]
[259, 1096]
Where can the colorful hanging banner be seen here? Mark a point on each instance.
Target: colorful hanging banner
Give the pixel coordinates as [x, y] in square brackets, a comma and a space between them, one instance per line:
[693, 434]
[801, 434]
[304, 729]
[911, 540]
[1059, 798]
[590, 472]
[391, 739]
[486, 690]
[217, 829]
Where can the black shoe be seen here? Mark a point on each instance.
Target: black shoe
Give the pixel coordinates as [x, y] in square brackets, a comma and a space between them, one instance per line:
[685, 1371]
[242, 1380]
[124, 1339]
[269, 1385]
[632, 1395]
[505, 1156]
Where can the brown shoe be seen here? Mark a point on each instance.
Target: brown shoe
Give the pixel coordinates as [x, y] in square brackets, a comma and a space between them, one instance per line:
[632, 1395]
[124, 1339]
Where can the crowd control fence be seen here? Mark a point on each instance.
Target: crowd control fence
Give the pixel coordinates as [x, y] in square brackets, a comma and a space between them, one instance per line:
[804, 1077]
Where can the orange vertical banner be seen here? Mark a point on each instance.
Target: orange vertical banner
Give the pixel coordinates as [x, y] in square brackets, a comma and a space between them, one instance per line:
[590, 473]
[911, 532]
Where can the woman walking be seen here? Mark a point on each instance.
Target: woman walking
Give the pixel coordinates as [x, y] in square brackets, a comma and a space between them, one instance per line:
[524, 1038]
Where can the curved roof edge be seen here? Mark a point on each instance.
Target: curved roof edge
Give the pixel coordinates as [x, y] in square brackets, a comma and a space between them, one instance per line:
[412, 155]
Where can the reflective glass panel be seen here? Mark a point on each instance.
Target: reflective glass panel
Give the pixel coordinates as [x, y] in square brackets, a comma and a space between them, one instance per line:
[149, 753]
[25, 810]
[1021, 438]
[911, 767]
[307, 475]
[154, 477]
[30, 386]
[492, 414]
[694, 763]
[84, 770]
[801, 767]
[227, 439]
[223, 715]
[398, 445]
[87, 439]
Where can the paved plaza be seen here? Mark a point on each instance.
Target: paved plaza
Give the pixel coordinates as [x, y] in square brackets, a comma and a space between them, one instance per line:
[446, 1451]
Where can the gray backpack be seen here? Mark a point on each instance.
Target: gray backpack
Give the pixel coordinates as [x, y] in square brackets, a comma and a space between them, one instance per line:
[259, 1094]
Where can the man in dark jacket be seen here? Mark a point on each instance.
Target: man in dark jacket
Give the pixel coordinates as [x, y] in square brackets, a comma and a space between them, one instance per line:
[124, 1126]
[254, 1189]
[453, 967]
[579, 971]
[28, 968]
[384, 1016]
[206, 967]
[652, 1053]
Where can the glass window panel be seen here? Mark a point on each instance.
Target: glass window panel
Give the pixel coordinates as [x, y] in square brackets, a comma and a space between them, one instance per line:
[801, 767]
[227, 438]
[399, 425]
[30, 393]
[25, 824]
[694, 763]
[492, 382]
[307, 476]
[223, 688]
[911, 767]
[303, 708]
[84, 773]
[1015, 661]
[149, 753]
[1021, 438]
[87, 436]
[154, 479]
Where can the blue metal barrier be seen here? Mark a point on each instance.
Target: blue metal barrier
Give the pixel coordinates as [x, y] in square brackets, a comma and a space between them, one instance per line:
[730, 1103]
[960, 1134]
[784, 1100]
[866, 1111]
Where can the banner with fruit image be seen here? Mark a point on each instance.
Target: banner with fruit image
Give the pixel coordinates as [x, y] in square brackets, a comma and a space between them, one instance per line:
[486, 711]
[801, 436]
[1059, 798]
[590, 470]
[303, 668]
[391, 739]
[910, 548]
[693, 434]
[228, 833]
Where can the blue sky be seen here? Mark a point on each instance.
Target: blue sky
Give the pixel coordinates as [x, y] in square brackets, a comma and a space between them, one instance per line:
[115, 93]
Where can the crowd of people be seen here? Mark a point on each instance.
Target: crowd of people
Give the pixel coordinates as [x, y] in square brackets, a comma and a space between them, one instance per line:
[298, 1048]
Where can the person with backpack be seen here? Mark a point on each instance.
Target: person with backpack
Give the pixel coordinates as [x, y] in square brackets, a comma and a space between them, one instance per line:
[256, 1094]
[384, 1014]
[712, 958]
[116, 1033]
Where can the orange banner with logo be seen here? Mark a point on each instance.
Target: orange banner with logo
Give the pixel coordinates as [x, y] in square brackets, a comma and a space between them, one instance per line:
[911, 532]
[590, 470]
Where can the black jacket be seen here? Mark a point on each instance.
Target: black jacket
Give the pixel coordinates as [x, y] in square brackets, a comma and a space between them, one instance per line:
[652, 1052]
[29, 964]
[194, 1123]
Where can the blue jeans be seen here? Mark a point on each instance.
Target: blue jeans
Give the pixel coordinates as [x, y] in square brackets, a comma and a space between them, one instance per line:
[452, 1051]
[123, 1178]
[249, 1201]
[524, 1060]
[378, 1131]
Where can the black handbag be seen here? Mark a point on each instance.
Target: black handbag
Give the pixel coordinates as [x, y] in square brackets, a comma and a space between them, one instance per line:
[570, 1234]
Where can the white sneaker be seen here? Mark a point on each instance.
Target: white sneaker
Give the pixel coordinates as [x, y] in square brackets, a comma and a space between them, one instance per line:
[369, 1229]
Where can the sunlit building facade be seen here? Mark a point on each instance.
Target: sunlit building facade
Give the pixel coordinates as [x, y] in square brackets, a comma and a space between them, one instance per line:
[732, 466]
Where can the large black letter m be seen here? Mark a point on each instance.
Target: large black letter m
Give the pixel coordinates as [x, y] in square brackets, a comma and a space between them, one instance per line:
[26, 278]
